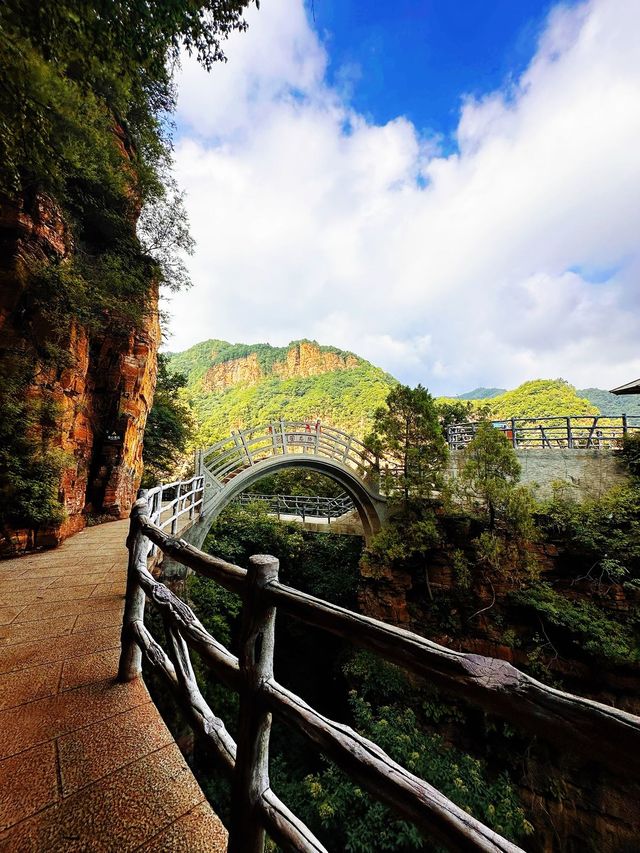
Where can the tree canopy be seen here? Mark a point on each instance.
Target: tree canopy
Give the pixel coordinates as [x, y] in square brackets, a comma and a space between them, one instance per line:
[169, 426]
[407, 432]
[84, 107]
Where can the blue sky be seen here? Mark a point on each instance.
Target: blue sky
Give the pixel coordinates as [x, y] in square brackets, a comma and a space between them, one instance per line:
[418, 58]
[449, 189]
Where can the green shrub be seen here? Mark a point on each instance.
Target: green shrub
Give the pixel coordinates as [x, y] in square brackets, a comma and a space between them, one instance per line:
[356, 823]
[580, 624]
[600, 533]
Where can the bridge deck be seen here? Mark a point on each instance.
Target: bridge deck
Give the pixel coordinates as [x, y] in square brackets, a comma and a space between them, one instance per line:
[85, 763]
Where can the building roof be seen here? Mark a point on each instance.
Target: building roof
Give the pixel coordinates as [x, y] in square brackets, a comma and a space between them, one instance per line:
[629, 388]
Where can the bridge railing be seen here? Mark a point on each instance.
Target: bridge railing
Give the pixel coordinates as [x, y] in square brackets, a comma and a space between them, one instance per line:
[312, 506]
[599, 732]
[172, 506]
[247, 447]
[587, 432]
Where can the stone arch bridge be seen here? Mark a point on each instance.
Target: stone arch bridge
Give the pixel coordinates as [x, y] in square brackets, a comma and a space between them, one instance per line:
[237, 462]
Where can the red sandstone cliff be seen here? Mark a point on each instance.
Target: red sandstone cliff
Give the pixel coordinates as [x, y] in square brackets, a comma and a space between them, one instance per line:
[102, 394]
[305, 358]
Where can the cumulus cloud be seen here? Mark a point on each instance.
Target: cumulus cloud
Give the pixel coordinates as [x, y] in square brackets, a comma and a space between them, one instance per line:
[455, 270]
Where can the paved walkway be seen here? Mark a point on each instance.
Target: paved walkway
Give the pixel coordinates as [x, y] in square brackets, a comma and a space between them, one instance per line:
[86, 764]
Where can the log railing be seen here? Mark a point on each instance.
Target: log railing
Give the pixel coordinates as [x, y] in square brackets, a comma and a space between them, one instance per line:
[301, 506]
[599, 732]
[586, 432]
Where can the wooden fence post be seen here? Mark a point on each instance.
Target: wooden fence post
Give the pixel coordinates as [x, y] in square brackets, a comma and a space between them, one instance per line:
[251, 777]
[130, 665]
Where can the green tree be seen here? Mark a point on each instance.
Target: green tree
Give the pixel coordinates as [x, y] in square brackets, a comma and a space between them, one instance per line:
[490, 469]
[631, 453]
[488, 485]
[407, 433]
[454, 412]
[326, 799]
[169, 426]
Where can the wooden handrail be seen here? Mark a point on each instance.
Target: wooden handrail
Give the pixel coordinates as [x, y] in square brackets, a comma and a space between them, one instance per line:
[598, 731]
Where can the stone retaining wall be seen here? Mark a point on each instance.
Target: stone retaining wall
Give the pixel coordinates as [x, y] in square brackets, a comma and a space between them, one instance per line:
[589, 473]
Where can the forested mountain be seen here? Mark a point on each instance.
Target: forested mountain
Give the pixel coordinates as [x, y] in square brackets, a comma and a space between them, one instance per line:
[611, 404]
[481, 394]
[236, 385]
[536, 399]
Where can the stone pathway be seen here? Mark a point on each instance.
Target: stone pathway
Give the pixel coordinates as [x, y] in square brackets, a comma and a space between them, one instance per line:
[86, 764]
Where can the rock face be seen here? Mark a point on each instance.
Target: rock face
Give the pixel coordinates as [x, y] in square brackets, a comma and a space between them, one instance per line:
[302, 359]
[101, 395]
[307, 359]
[236, 385]
[240, 371]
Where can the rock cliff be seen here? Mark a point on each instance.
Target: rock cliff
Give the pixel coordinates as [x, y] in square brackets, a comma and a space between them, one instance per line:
[231, 386]
[100, 385]
[301, 359]
[308, 359]
[239, 371]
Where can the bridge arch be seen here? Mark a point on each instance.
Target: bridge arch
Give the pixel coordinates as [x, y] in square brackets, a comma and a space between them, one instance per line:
[237, 462]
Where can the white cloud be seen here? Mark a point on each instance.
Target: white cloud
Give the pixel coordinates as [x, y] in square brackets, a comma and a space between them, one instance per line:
[450, 270]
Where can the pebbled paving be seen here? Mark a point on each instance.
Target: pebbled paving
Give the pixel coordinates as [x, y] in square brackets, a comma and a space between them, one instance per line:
[86, 764]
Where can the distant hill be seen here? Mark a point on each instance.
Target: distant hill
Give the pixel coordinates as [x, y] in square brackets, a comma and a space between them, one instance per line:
[481, 394]
[611, 404]
[237, 385]
[536, 399]
[541, 397]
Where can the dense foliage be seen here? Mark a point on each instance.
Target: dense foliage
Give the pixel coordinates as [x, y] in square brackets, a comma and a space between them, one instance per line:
[602, 533]
[612, 404]
[373, 697]
[83, 119]
[485, 531]
[298, 481]
[29, 465]
[579, 628]
[481, 393]
[169, 427]
[399, 731]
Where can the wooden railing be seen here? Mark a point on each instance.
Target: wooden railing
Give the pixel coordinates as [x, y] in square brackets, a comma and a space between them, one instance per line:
[301, 506]
[588, 432]
[598, 731]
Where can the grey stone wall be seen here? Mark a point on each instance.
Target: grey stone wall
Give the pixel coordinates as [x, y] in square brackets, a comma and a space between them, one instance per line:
[589, 473]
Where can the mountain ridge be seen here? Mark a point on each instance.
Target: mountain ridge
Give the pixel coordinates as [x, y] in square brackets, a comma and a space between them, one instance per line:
[235, 385]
